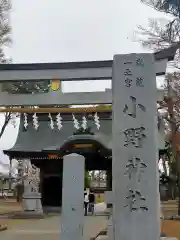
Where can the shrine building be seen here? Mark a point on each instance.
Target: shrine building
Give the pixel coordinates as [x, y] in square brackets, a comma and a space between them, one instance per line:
[46, 147]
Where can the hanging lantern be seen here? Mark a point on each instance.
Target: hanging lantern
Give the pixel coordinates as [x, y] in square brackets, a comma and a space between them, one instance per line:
[59, 121]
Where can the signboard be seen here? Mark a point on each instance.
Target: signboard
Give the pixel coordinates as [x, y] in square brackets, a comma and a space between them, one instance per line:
[55, 85]
[53, 156]
[82, 145]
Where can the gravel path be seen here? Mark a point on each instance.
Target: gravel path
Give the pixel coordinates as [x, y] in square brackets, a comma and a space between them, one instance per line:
[49, 228]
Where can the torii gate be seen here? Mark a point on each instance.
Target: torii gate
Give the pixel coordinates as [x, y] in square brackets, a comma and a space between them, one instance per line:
[126, 131]
[73, 71]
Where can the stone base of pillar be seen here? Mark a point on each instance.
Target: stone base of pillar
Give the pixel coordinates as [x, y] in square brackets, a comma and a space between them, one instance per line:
[32, 202]
[32, 207]
[50, 209]
[105, 237]
[110, 228]
[27, 215]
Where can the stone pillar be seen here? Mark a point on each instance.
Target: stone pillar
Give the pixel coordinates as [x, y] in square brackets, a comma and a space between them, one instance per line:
[109, 183]
[134, 150]
[10, 173]
[72, 219]
[32, 205]
[20, 185]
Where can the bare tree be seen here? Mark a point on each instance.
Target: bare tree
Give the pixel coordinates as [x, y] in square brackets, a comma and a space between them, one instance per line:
[5, 40]
[160, 34]
[5, 28]
[167, 6]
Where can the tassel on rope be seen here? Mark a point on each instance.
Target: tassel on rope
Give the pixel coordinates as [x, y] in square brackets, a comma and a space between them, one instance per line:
[59, 121]
[51, 121]
[97, 121]
[35, 121]
[75, 122]
[25, 121]
[84, 123]
[13, 120]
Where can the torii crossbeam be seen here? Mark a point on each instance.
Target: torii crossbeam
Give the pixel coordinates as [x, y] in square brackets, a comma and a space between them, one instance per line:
[72, 71]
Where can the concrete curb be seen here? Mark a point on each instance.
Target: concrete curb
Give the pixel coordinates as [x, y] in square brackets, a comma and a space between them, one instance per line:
[172, 218]
[22, 215]
[26, 215]
[7, 214]
[103, 233]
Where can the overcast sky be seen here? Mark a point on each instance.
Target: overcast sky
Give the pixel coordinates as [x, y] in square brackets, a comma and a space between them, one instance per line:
[68, 30]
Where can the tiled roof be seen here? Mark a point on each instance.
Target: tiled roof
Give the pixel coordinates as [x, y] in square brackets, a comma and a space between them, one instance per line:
[46, 139]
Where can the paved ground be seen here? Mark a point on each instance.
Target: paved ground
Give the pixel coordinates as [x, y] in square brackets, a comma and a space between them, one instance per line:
[49, 228]
[9, 205]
